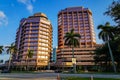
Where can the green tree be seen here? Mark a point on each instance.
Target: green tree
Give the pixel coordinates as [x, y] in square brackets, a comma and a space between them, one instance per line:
[72, 40]
[1, 49]
[115, 45]
[1, 61]
[11, 50]
[29, 55]
[107, 34]
[102, 58]
[114, 11]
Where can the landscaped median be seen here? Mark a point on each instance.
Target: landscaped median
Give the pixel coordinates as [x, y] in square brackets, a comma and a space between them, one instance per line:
[78, 78]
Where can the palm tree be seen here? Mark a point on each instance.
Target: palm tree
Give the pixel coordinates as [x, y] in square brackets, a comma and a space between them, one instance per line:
[1, 49]
[1, 61]
[29, 55]
[72, 40]
[102, 57]
[11, 50]
[113, 11]
[107, 34]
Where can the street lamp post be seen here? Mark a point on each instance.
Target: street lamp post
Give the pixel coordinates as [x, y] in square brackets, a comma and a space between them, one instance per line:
[61, 50]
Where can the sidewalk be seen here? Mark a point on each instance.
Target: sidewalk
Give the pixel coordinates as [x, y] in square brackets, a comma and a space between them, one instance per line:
[28, 79]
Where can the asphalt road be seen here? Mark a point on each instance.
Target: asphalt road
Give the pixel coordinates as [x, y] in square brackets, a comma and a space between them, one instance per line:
[50, 76]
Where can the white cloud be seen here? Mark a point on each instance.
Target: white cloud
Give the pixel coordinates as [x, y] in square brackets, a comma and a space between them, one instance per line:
[28, 4]
[23, 1]
[33, 0]
[30, 8]
[3, 19]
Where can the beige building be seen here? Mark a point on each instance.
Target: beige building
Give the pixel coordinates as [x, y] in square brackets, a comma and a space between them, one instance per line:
[81, 20]
[34, 33]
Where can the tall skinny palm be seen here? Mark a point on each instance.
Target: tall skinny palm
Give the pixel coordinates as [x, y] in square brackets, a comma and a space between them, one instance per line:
[1, 61]
[107, 34]
[1, 49]
[11, 50]
[72, 40]
[29, 55]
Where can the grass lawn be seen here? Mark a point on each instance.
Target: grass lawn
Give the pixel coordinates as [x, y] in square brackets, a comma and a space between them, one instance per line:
[78, 78]
[92, 73]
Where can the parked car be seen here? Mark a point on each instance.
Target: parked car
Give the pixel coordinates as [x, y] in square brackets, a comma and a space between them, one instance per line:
[5, 71]
[58, 71]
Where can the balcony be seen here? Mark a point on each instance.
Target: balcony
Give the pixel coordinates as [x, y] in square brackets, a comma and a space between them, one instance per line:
[42, 64]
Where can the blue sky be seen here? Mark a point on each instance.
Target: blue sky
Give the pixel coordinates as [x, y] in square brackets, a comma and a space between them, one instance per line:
[12, 11]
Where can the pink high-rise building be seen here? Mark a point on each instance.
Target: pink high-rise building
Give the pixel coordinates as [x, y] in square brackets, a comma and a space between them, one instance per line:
[34, 33]
[80, 19]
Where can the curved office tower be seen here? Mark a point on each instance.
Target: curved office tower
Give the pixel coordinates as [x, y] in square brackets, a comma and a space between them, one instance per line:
[34, 33]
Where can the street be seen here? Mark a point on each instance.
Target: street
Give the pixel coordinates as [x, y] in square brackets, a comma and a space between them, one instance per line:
[50, 76]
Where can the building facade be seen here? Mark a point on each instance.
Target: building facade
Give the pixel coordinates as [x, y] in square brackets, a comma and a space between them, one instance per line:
[54, 59]
[34, 33]
[80, 19]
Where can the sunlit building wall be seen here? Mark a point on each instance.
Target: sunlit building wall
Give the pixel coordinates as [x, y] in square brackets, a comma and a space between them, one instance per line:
[80, 19]
[34, 33]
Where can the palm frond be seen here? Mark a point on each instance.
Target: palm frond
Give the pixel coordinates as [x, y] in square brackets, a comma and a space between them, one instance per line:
[30, 53]
[100, 27]
[107, 32]
[71, 38]
[77, 35]
[107, 24]
[11, 49]
[1, 49]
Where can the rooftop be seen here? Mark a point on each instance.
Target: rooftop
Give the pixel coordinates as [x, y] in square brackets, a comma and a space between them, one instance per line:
[40, 15]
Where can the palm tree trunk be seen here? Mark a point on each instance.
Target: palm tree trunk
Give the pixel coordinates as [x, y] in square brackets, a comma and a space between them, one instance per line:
[20, 66]
[48, 65]
[72, 52]
[111, 55]
[9, 64]
[106, 65]
[62, 60]
[74, 65]
[27, 64]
